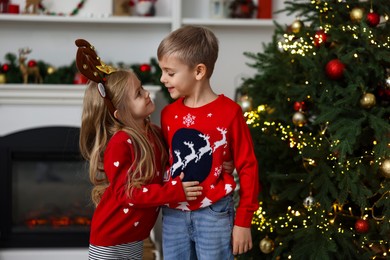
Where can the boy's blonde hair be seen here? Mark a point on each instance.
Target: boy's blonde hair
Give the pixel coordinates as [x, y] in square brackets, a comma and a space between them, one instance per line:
[192, 45]
[98, 126]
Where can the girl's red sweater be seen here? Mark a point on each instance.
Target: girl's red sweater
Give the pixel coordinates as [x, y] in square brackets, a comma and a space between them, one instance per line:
[119, 219]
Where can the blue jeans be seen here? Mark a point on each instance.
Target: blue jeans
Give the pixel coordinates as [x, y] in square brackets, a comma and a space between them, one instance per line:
[203, 234]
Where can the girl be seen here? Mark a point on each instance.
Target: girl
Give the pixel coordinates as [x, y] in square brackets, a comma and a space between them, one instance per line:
[127, 158]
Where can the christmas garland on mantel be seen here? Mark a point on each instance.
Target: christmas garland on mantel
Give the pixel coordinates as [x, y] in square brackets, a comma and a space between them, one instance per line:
[74, 12]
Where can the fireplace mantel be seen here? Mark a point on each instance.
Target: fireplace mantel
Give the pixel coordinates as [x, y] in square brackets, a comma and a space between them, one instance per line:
[44, 94]
[24, 106]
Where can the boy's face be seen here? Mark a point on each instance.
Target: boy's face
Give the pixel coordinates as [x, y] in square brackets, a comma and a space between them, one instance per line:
[177, 77]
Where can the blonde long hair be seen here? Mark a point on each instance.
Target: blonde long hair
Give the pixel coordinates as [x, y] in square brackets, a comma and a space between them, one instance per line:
[98, 126]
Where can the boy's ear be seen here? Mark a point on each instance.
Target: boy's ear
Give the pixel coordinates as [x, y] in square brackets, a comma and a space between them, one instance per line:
[200, 71]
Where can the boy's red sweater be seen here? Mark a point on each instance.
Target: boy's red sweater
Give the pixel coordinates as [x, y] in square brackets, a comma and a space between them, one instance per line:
[200, 140]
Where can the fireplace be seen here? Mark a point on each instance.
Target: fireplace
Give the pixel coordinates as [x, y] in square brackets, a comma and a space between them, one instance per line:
[39, 108]
[44, 189]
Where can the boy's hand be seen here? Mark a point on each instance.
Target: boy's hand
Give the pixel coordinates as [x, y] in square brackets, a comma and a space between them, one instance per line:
[191, 188]
[241, 239]
[228, 166]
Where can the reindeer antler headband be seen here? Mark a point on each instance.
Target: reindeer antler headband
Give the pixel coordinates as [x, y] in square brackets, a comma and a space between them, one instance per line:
[90, 65]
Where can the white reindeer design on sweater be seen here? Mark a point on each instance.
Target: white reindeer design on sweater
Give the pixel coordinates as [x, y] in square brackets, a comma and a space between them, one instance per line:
[204, 149]
[221, 142]
[197, 155]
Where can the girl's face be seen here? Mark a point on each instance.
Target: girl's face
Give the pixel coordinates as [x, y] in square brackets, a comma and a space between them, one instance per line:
[139, 101]
[177, 77]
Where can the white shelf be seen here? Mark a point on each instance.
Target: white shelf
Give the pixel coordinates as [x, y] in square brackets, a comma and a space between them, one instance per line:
[134, 20]
[78, 19]
[47, 94]
[230, 22]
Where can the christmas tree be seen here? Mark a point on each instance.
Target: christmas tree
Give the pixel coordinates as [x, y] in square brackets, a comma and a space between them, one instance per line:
[318, 108]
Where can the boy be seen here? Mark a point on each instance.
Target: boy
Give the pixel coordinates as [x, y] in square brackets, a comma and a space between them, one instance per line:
[202, 130]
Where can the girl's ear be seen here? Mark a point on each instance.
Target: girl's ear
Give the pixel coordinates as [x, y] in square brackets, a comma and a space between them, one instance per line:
[200, 70]
[116, 114]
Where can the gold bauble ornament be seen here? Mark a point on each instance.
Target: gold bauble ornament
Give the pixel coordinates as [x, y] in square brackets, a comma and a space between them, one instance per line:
[356, 14]
[267, 245]
[368, 100]
[299, 119]
[385, 168]
[3, 78]
[296, 26]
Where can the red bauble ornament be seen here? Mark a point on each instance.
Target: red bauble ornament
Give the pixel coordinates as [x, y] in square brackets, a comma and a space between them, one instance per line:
[145, 67]
[335, 69]
[31, 63]
[362, 226]
[299, 106]
[5, 67]
[319, 38]
[372, 19]
[79, 79]
[383, 94]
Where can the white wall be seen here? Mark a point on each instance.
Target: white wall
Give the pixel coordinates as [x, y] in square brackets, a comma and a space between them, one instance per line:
[132, 44]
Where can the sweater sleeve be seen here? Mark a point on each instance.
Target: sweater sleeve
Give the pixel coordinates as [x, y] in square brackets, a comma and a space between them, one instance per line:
[246, 165]
[118, 159]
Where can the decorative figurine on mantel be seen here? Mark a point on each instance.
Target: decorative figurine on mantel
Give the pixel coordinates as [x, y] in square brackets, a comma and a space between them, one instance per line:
[4, 6]
[123, 7]
[242, 9]
[32, 6]
[145, 7]
[30, 69]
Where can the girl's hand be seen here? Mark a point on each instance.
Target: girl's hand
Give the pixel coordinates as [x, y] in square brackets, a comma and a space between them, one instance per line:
[191, 188]
[228, 166]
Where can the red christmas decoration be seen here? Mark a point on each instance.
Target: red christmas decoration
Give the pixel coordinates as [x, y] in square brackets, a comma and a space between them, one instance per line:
[335, 69]
[79, 79]
[145, 67]
[319, 38]
[5, 67]
[362, 226]
[31, 63]
[383, 93]
[372, 19]
[299, 106]
[264, 9]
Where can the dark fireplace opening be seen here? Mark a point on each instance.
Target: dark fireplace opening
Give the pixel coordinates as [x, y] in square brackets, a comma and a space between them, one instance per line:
[44, 189]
